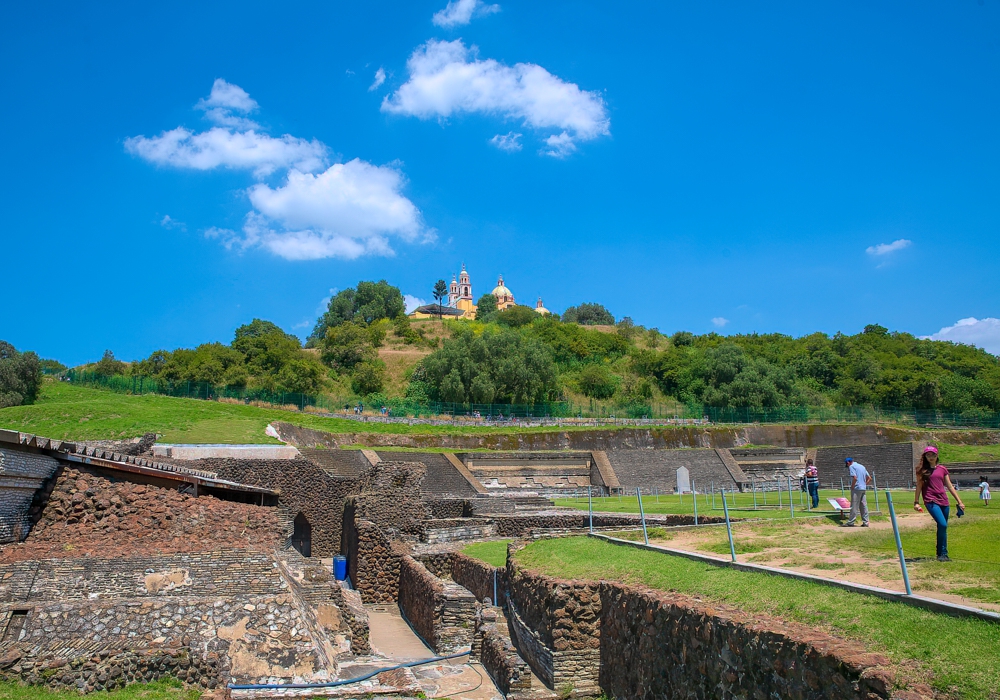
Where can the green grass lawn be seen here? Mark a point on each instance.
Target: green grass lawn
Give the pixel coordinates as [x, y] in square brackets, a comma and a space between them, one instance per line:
[159, 690]
[968, 453]
[68, 412]
[493, 553]
[962, 654]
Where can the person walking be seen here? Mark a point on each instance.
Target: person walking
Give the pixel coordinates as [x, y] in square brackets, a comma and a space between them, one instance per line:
[934, 484]
[812, 483]
[860, 479]
[984, 490]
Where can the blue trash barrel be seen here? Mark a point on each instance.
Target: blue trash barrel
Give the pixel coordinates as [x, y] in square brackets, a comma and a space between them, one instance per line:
[340, 567]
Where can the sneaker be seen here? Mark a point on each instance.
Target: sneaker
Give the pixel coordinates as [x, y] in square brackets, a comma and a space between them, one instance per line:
[944, 558]
[847, 524]
[864, 525]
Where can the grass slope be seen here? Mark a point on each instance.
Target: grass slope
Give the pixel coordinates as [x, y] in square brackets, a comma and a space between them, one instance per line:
[159, 690]
[493, 553]
[68, 412]
[939, 643]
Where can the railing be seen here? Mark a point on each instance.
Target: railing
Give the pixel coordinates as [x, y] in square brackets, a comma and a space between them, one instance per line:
[592, 413]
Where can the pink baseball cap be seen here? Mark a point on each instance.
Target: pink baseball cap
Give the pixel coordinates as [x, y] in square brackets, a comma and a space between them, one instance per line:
[930, 448]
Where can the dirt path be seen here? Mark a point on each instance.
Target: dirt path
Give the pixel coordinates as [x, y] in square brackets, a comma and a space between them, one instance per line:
[820, 548]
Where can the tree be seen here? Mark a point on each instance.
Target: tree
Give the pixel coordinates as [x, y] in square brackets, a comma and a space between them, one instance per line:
[20, 376]
[52, 366]
[516, 316]
[500, 365]
[345, 346]
[588, 315]
[597, 382]
[440, 292]
[108, 366]
[265, 347]
[627, 329]
[486, 308]
[366, 304]
[368, 377]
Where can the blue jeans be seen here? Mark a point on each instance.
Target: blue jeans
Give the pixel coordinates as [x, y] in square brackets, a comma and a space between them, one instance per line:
[940, 515]
[814, 492]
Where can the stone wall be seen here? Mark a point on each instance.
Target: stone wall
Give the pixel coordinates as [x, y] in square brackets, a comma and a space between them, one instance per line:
[98, 516]
[495, 651]
[441, 612]
[891, 464]
[438, 563]
[111, 671]
[374, 563]
[353, 609]
[441, 508]
[663, 437]
[219, 573]
[305, 487]
[556, 626]
[659, 645]
[478, 577]
[648, 469]
[22, 476]
[522, 525]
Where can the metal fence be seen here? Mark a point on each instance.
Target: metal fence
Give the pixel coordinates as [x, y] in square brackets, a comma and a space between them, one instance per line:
[591, 412]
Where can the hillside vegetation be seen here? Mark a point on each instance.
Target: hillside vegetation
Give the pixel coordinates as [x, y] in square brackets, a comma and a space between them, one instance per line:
[364, 348]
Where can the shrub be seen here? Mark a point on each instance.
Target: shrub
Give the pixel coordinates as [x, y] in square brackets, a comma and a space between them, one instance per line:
[20, 376]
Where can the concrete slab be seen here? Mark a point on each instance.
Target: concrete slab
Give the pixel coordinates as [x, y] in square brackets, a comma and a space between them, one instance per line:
[392, 637]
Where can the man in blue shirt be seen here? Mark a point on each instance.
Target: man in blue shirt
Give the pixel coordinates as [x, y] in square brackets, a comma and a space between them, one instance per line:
[860, 479]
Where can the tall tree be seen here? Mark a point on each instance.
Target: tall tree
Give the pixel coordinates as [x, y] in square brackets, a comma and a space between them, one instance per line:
[366, 304]
[440, 292]
[486, 308]
[589, 315]
[20, 376]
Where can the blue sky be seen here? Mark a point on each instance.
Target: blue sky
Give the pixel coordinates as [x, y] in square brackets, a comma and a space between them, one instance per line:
[771, 167]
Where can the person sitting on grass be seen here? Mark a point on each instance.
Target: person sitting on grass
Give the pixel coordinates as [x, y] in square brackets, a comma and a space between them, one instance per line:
[934, 484]
[984, 490]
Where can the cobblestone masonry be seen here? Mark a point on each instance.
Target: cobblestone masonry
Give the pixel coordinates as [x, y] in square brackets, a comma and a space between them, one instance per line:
[442, 612]
[556, 624]
[99, 517]
[652, 644]
[649, 469]
[373, 563]
[305, 487]
[661, 645]
[522, 525]
[493, 648]
[478, 577]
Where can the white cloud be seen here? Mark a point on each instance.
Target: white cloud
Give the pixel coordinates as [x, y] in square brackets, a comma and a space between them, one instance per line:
[379, 79]
[412, 302]
[509, 142]
[719, 322]
[344, 211]
[447, 78]
[886, 248]
[983, 333]
[169, 223]
[223, 147]
[459, 12]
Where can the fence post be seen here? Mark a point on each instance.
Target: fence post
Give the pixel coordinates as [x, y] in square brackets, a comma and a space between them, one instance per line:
[642, 516]
[899, 543]
[694, 498]
[791, 501]
[842, 494]
[875, 487]
[590, 502]
[778, 484]
[713, 495]
[753, 487]
[729, 527]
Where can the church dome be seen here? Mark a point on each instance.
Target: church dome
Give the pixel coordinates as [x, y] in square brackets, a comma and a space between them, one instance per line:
[501, 291]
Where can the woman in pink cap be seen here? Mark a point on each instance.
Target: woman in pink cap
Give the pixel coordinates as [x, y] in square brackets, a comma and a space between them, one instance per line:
[934, 484]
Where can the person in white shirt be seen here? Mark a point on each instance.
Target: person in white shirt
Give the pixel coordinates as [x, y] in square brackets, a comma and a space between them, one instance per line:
[860, 479]
[984, 490]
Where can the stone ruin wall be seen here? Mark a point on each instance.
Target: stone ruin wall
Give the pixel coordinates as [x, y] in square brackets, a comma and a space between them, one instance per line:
[123, 582]
[633, 643]
[440, 611]
[304, 487]
[22, 476]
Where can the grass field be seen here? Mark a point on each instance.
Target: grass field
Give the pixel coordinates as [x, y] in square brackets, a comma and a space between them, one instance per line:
[159, 690]
[68, 412]
[940, 644]
[493, 553]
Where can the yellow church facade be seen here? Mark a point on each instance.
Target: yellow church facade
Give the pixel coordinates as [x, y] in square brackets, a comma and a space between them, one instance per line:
[461, 305]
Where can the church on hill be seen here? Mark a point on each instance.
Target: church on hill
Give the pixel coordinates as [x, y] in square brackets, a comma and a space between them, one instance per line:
[460, 300]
